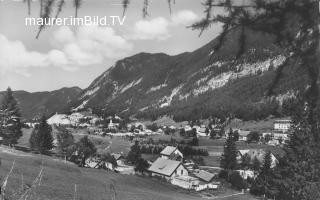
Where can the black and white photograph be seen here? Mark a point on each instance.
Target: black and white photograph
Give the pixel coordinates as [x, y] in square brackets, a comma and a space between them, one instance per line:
[159, 99]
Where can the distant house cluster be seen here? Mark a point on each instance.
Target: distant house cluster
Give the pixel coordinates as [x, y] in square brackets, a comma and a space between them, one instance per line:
[75, 119]
[277, 135]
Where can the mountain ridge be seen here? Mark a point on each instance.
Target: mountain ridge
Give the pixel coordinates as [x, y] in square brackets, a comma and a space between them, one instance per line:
[151, 85]
[35, 104]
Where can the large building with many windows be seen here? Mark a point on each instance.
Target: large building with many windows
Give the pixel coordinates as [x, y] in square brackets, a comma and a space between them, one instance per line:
[282, 125]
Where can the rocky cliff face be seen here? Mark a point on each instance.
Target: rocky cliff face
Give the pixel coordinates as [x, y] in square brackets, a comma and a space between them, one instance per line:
[157, 84]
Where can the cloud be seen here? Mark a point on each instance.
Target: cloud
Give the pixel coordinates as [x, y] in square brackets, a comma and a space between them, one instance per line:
[158, 28]
[88, 45]
[15, 57]
[184, 17]
[91, 44]
[155, 29]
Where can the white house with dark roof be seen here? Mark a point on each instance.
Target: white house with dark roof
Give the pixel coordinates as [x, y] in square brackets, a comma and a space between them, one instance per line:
[167, 168]
[171, 153]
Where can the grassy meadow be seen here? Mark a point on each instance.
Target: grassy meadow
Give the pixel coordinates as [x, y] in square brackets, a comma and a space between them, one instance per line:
[64, 181]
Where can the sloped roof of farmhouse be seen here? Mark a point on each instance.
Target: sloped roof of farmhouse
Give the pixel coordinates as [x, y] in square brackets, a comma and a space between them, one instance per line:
[164, 166]
[204, 175]
[243, 133]
[117, 156]
[168, 150]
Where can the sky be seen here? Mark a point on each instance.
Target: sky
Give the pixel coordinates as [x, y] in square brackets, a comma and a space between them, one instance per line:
[67, 56]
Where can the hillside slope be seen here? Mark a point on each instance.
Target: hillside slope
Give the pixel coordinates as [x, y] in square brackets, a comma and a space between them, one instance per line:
[192, 84]
[33, 105]
[59, 179]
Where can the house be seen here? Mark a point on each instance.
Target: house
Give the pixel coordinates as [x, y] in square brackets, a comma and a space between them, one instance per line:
[202, 132]
[119, 158]
[283, 136]
[127, 170]
[95, 120]
[257, 153]
[160, 132]
[189, 165]
[245, 174]
[171, 153]
[187, 128]
[200, 180]
[282, 125]
[168, 169]
[243, 135]
[59, 119]
[94, 162]
[204, 175]
[186, 182]
[112, 126]
[275, 137]
[31, 124]
[75, 118]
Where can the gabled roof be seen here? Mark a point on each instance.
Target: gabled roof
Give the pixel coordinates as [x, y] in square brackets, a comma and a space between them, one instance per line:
[168, 150]
[117, 156]
[164, 166]
[174, 156]
[204, 175]
[243, 133]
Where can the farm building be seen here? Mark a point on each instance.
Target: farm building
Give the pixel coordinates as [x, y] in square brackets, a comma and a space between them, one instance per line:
[167, 168]
[186, 182]
[171, 153]
[204, 175]
[243, 135]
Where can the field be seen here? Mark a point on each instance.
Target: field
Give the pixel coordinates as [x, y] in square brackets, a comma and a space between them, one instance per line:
[24, 140]
[103, 144]
[119, 144]
[262, 125]
[60, 179]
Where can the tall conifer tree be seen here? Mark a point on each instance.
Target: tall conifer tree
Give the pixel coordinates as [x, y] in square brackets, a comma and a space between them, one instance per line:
[10, 119]
[41, 138]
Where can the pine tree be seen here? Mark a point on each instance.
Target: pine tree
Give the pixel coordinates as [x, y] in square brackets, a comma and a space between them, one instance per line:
[229, 156]
[245, 161]
[64, 140]
[10, 119]
[41, 138]
[134, 154]
[267, 161]
[298, 175]
[263, 184]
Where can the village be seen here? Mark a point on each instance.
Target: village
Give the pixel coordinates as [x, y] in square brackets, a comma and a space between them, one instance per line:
[186, 155]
